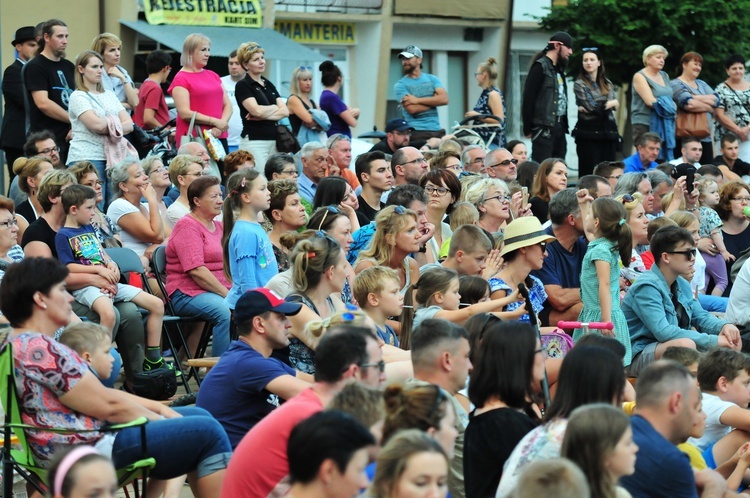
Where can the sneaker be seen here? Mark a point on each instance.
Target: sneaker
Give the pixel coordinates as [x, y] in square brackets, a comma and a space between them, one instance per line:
[152, 365]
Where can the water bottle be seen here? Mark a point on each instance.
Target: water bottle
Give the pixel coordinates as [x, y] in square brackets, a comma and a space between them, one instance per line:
[746, 211]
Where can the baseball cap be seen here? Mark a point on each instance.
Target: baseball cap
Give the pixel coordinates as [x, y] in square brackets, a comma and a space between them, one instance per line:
[409, 52]
[564, 38]
[397, 124]
[258, 301]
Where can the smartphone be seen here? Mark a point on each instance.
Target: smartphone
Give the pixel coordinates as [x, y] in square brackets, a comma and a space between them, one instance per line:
[690, 179]
[525, 200]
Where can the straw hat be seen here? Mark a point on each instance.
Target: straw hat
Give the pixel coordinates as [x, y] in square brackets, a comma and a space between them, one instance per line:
[524, 232]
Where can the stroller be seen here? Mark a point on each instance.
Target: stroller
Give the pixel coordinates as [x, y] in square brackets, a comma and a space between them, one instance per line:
[466, 131]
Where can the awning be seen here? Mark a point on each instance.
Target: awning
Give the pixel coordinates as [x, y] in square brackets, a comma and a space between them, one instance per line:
[224, 40]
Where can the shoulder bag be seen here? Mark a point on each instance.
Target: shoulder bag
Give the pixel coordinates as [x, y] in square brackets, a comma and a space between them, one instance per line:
[691, 124]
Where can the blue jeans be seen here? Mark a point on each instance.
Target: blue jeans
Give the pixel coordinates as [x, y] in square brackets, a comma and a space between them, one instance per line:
[210, 307]
[713, 303]
[194, 442]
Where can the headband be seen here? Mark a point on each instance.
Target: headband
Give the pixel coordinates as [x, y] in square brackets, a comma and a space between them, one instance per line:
[67, 462]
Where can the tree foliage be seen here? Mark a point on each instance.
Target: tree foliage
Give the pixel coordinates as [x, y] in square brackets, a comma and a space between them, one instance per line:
[622, 29]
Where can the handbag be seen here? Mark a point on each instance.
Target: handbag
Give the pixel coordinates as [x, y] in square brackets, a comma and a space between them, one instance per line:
[213, 146]
[158, 384]
[285, 140]
[691, 124]
[191, 136]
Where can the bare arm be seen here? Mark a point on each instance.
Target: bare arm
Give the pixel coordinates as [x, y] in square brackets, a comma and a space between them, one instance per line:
[94, 123]
[147, 230]
[287, 386]
[207, 281]
[181, 98]
[295, 107]
[49, 107]
[460, 316]
[561, 298]
[264, 112]
[415, 105]
[91, 398]
[695, 105]
[149, 119]
[729, 175]
[644, 91]
[126, 121]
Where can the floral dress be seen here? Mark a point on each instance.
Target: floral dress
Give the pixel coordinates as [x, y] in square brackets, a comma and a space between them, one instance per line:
[603, 250]
[537, 295]
[736, 105]
[483, 107]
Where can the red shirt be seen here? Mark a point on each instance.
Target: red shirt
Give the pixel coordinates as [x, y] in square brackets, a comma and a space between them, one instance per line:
[150, 96]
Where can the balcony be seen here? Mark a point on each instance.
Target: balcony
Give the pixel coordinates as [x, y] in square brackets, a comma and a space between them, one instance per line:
[330, 6]
[475, 9]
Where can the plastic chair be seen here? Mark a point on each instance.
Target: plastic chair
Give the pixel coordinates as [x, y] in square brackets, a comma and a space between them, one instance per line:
[19, 458]
[129, 262]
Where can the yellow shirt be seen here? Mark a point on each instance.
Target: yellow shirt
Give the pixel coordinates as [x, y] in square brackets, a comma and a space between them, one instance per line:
[696, 458]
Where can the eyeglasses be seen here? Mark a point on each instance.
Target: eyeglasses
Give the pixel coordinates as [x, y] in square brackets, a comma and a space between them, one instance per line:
[380, 365]
[49, 150]
[292, 172]
[688, 253]
[329, 209]
[305, 68]
[477, 74]
[194, 174]
[741, 199]
[9, 223]
[589, 49]
[414, 161]
[507, 162]
[440, 191]
[455, 167]
[501, 198]
[543, 245]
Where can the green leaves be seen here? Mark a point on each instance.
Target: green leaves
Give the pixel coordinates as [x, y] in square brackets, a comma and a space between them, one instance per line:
[623, 28]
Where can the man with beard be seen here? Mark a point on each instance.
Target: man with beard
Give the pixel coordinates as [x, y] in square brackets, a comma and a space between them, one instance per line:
[49, 80]
[397, 135]
[419, 94]
[545, 101]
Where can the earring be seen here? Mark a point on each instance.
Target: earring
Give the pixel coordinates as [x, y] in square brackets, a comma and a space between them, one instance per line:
[44, 306]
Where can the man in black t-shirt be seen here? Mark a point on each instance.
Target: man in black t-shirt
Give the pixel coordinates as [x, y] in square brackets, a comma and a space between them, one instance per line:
[374, 174]
[398, 133]
[729, 162]
[49, 81]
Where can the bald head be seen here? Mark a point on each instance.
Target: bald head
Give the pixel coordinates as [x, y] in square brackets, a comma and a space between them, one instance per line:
[196, 149]
[499, 163]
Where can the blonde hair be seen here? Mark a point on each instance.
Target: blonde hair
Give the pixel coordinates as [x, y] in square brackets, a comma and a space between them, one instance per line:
[350, 317]
[298, 74]
[450, 145]
[704, 184]
[51, 186]
[311, 258]
[82, 61]
[25, 168]
[364, 403]
[652, 50]
[388, 223]
[147, 164]
[477, 193]
[467, 182]
[489, 67]
[372, 280]
[246, 52]
[179, 167]
[84, 337]
[191, 44]
[629, 206]
[464, 213]
[104, 40]
[683, 218]
[666, 200]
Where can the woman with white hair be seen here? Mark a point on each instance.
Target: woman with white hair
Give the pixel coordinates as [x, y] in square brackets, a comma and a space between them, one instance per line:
[198, 91]
[649, 84]
[492, 199]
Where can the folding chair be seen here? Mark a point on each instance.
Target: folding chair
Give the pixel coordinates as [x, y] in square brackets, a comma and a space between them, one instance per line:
[159, 264]
[129, 262]
[18, 458]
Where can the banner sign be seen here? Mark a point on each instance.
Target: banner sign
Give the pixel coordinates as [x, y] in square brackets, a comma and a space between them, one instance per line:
[230, 13]
[317, 32]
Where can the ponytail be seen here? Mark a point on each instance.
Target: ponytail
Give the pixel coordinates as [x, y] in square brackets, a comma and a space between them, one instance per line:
[613, 225]
[407, 317]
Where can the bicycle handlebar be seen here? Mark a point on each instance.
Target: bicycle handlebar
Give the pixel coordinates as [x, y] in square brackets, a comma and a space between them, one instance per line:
[591, 325]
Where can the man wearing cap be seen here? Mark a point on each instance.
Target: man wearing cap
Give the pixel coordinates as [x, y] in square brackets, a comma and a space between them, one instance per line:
[545, 102]
[13, 133]
[49, 81]
[419, 94]
[259, 466]
[397, 135]
[247, 383]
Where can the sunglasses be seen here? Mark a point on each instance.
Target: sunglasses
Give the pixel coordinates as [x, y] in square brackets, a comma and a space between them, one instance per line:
[688, 253]
[627, 199]
[305, 68]
[329, 209]
[507, 162]
[590, 49]
[337, 138]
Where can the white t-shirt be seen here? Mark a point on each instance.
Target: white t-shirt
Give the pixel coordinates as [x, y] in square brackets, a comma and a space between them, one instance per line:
[119, 208]
[176, 212]
[713, 407]
[699, 279]
[738, 308]
[235, 122]
[86, 145]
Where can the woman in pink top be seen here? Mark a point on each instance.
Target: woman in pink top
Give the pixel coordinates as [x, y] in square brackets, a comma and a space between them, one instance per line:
[199, 90]
[195, 264]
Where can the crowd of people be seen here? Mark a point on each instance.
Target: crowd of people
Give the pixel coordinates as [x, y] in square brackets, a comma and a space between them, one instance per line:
[368, 322]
